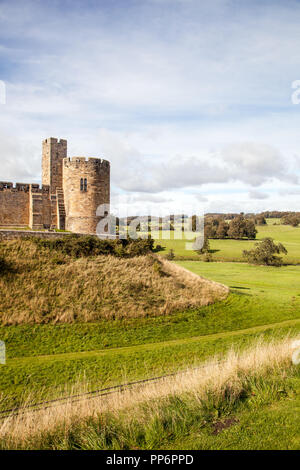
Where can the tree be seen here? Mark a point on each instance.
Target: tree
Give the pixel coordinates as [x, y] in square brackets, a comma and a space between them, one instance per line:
[204, 250]
[260, 220]
[222, 230]
[237, 227]
[196, 223]
[249, 229]
[265, 252]
[291, 219]
[210, 230]
[240, 227]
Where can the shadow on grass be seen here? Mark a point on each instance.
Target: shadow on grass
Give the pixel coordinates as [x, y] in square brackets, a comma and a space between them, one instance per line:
[159, 248]
[238, 287]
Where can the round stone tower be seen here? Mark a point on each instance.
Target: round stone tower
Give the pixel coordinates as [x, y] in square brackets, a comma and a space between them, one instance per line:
[86, 185]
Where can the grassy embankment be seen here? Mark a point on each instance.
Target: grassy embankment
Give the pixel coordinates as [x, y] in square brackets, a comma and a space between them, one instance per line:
[248, 401]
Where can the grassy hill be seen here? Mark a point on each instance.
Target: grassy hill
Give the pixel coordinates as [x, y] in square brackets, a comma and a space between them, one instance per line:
[42, 285]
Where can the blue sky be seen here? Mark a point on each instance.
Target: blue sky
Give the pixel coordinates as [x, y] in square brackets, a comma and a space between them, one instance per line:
[189, 100]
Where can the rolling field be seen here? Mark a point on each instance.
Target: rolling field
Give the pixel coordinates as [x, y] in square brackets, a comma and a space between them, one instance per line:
[231, 250]
[50, 360]
[43, 358]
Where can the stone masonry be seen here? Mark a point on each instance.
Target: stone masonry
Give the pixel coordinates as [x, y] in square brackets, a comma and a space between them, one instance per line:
[72, 189]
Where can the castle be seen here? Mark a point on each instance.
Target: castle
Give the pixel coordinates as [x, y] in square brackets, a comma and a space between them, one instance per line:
[71, 191]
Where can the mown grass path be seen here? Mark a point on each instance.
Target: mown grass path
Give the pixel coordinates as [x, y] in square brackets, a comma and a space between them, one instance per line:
[46, 376]
[152, 346]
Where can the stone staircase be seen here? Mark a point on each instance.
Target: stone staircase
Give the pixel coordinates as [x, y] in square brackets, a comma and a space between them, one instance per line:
[61, 211]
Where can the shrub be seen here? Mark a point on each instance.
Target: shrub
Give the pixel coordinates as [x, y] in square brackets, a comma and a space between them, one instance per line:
[207, 257]
[78, 247]
[170, 255]
[265, 252]
[139, 247]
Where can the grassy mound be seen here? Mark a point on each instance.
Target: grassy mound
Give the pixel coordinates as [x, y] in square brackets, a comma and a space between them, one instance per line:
[63, 282]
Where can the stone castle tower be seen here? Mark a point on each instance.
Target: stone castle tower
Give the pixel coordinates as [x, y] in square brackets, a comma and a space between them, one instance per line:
[72, 190]
[86, 185]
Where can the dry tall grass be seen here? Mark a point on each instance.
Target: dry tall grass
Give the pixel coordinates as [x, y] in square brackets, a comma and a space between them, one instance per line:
[41, 286]
[226, 379]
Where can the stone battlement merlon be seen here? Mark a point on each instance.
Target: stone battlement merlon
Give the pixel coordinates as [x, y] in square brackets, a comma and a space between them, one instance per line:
[86, 161]
[5, 186]
[54, 140]
[36, 188]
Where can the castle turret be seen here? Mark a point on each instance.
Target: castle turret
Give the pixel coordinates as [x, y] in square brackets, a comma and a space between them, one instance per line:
[54, 151]
[86, 185]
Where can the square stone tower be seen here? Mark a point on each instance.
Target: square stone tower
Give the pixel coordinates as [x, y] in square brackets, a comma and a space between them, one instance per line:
[54, 152]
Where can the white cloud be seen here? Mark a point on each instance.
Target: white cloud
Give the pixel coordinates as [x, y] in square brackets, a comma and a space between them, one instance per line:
[258, 195]
[176, 95]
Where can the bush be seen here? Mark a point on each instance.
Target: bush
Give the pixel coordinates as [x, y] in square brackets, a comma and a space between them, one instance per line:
[78, 247]
[170, 255]
[265, 252]
[139, 247]
[205, 247]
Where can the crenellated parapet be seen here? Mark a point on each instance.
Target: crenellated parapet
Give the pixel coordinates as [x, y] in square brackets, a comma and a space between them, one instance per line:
[37, 189]
[5, 186]
[84, 162]
[34, 188]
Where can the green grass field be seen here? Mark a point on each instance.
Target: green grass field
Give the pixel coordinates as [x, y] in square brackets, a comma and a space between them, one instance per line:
[231, 250]
[43, 360]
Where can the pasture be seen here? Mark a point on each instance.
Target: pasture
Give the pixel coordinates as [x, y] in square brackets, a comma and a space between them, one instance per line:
[231, 250]
[47, 360]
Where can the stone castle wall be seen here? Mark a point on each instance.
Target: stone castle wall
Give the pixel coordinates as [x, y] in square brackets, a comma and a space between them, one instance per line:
[71, 191]
[81, 203]
[39, 207]
[14, 205]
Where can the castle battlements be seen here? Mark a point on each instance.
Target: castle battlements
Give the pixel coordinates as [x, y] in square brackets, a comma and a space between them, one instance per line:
[36, 188]
[54, 140]
[5, 186]
[86, 161]
[71, 191]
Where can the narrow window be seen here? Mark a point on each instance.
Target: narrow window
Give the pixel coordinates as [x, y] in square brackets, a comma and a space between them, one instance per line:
[81, 184]
[85, 184]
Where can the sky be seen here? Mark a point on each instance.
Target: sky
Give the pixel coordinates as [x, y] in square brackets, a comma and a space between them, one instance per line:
[191, 101]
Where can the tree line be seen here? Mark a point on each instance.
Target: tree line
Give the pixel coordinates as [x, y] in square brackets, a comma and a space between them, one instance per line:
[237, 228]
